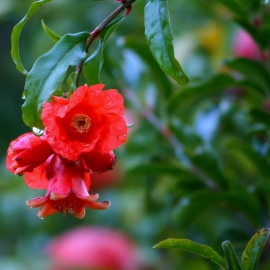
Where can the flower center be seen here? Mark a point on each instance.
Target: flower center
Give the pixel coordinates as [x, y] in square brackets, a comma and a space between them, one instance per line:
[81, 122]
[70, 206]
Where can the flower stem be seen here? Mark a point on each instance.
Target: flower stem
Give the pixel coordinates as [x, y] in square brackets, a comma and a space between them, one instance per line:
[125, 4]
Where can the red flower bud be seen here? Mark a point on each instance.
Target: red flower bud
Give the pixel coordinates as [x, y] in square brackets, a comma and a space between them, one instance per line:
[27, 152]
[99, 162]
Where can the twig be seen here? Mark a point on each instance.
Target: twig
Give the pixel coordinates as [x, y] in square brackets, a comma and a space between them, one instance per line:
[125, 4]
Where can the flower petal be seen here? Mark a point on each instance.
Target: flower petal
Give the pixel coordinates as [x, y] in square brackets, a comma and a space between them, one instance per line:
[37, 178]
[46, 210]
[98, 205]
[37, 202]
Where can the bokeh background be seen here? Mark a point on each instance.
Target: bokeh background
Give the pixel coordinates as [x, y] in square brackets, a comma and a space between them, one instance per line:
[196, 163]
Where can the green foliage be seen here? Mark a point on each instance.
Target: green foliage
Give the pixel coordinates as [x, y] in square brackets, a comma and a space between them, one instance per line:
[16, 35]
[231, 256]
[48, 73]
[196, 163]
[250, 255]
[254, 248]
[190, 246]
[93, 64]
[49, 32]
[159, 37]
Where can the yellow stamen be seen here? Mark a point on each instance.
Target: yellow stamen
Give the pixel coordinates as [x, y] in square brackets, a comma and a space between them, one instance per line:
[81, 123]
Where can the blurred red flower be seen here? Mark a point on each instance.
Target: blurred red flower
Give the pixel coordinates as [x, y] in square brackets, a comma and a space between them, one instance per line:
[27, 152]
[67, 184]
[91, 119]
[93, 248]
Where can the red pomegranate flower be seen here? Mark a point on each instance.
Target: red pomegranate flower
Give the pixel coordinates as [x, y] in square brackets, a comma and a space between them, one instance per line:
[92, 118]
[27, 152]
[67, 185]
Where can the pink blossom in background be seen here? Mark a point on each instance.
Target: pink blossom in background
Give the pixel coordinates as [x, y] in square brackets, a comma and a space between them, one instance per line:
[245, 46]
[93, 248]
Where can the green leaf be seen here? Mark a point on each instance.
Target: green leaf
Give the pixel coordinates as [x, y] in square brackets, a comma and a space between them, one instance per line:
[261, 163]
[142, 50]
[159, 36]
[197, 203]
[253, 71]
[48, 73]
[254, 248]
[15, 35]
[70, 79]
[231, 256]
[190, 246]
[94, 62]
[50, 33]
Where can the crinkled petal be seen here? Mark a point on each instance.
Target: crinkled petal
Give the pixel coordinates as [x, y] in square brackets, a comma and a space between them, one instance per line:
[92, 117]
[112, 135]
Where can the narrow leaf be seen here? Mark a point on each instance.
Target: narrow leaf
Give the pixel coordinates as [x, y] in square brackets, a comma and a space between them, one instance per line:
[231, 256]
[49, 32]
[254, 248]
[190, 246]
[48, 73]
[94, 62]
[15, 35]
[159, 36]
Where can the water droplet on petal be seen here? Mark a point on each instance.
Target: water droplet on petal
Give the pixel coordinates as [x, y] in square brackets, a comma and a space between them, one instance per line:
[122, 137]
[37, 131]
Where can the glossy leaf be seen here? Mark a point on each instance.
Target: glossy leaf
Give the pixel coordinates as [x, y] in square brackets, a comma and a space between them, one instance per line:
[94, 62]
[50, 33]
[254, 248]
[159, 36]
[231, 256]
[190, 246]
[48, 73]
[15, 35]
[142, 49]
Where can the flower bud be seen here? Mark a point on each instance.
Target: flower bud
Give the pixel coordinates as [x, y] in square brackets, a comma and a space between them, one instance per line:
[99, 162]
[27, 152]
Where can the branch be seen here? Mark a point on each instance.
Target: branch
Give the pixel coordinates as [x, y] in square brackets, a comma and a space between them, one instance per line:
[177, 146]
[126, 4]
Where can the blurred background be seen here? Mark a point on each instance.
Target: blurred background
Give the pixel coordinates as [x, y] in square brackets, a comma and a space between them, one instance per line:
[196, 163]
